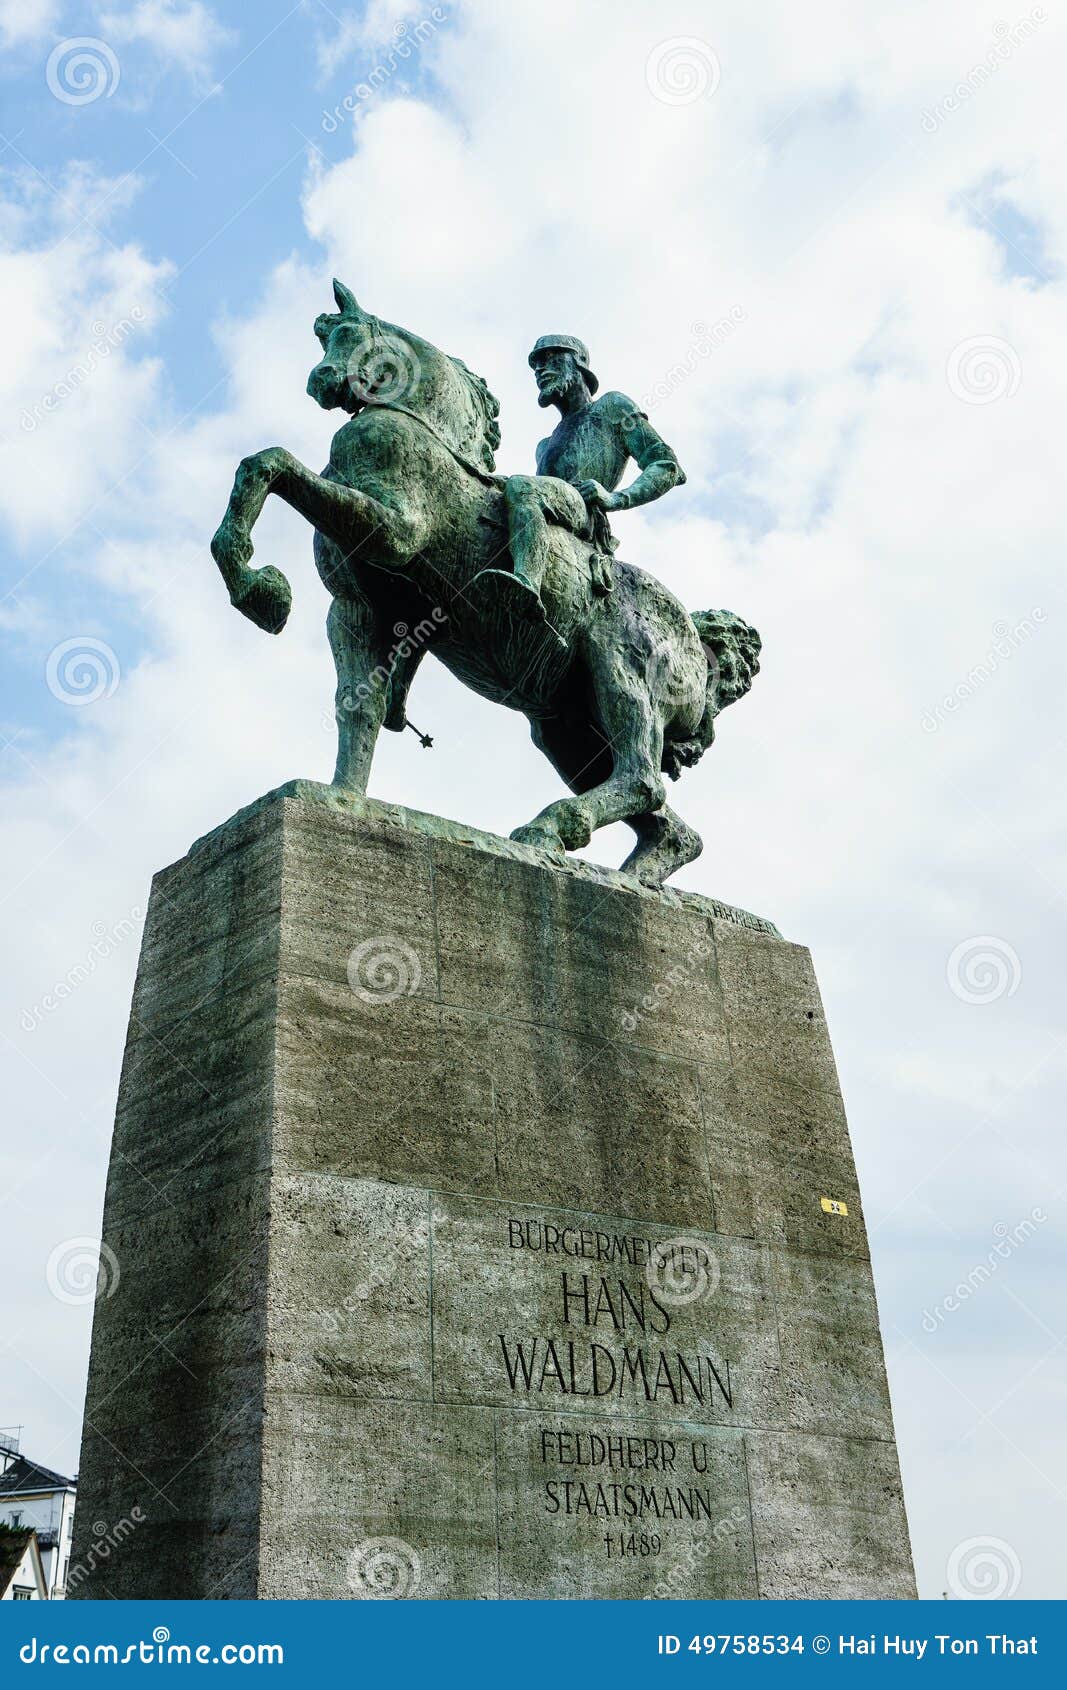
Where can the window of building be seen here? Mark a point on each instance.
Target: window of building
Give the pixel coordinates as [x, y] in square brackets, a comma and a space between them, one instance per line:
[16, 1518]
[20, 1595]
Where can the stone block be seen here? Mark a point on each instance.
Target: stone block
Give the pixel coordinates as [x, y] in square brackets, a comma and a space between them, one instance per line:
[468, 1209]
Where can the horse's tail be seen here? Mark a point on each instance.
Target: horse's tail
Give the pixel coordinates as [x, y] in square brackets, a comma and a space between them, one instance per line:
[732, 651]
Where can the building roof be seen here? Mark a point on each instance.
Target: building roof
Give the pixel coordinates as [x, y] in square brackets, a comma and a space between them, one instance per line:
[14, 1542]
[23, 1477]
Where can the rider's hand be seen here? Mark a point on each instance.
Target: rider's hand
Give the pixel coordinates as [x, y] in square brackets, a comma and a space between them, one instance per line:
[595, 495]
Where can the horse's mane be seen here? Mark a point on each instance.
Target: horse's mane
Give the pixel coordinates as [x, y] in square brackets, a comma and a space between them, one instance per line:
[485, 404]
[487, 409]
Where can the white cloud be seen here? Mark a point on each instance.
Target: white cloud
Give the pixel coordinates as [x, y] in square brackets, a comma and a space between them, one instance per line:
[185, 33]
[380, 23]
[76, 389]
[25, 21]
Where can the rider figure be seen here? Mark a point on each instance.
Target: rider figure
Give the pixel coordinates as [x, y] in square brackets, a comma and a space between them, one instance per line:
[579, 468]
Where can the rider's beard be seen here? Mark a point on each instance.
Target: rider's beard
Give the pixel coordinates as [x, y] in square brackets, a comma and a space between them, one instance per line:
[558, 391]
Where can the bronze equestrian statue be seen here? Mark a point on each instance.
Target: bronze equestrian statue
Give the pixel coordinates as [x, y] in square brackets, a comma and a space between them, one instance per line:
[413, 525]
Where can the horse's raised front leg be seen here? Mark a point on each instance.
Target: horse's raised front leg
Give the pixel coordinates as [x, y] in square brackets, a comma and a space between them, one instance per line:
[362, 695]
[350, 518]
[263, 595]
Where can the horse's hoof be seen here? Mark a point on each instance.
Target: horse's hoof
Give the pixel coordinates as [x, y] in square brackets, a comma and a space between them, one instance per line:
[348, 792]
[656, 858]
[545, 838]
[266, 599]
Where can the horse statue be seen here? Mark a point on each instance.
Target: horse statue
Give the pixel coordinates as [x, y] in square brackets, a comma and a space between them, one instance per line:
[620, 688]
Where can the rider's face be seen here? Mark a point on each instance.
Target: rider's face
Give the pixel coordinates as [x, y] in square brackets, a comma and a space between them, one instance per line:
[555, 373]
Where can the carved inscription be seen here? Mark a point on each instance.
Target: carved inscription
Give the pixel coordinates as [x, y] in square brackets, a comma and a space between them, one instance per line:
[611, 1292]
[621, 1346]
[625, 1478]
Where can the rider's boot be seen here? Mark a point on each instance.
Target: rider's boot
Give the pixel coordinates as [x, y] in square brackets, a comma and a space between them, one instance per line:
[518, 590]
[518, 594]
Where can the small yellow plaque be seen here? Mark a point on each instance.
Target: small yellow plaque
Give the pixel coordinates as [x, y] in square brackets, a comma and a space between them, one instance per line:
[832, 1206]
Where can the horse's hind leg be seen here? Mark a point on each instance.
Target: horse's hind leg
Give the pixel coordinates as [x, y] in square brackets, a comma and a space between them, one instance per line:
[578, 753]
[664, 843]
[634, 735]
[583, 758]
[362, 691]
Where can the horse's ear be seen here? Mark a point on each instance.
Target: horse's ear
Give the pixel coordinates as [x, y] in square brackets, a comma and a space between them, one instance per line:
[346, 300]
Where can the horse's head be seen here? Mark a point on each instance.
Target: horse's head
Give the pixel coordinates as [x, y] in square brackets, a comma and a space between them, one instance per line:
[367, 361]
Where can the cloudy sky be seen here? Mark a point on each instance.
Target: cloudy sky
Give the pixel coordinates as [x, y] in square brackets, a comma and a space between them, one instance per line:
[827, 245]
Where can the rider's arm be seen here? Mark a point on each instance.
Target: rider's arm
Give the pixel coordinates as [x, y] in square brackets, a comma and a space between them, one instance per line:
[660, 469]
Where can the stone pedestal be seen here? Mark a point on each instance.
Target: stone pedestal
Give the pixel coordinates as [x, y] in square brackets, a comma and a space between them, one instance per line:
[480, 1225]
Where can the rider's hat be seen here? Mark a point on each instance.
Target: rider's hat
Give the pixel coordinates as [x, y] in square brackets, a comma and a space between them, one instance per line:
[565, 343]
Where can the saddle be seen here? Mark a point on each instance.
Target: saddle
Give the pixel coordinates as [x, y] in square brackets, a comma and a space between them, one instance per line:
[601, 557]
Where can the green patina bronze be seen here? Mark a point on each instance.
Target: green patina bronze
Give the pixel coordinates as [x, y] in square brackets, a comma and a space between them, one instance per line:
[511, 582]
